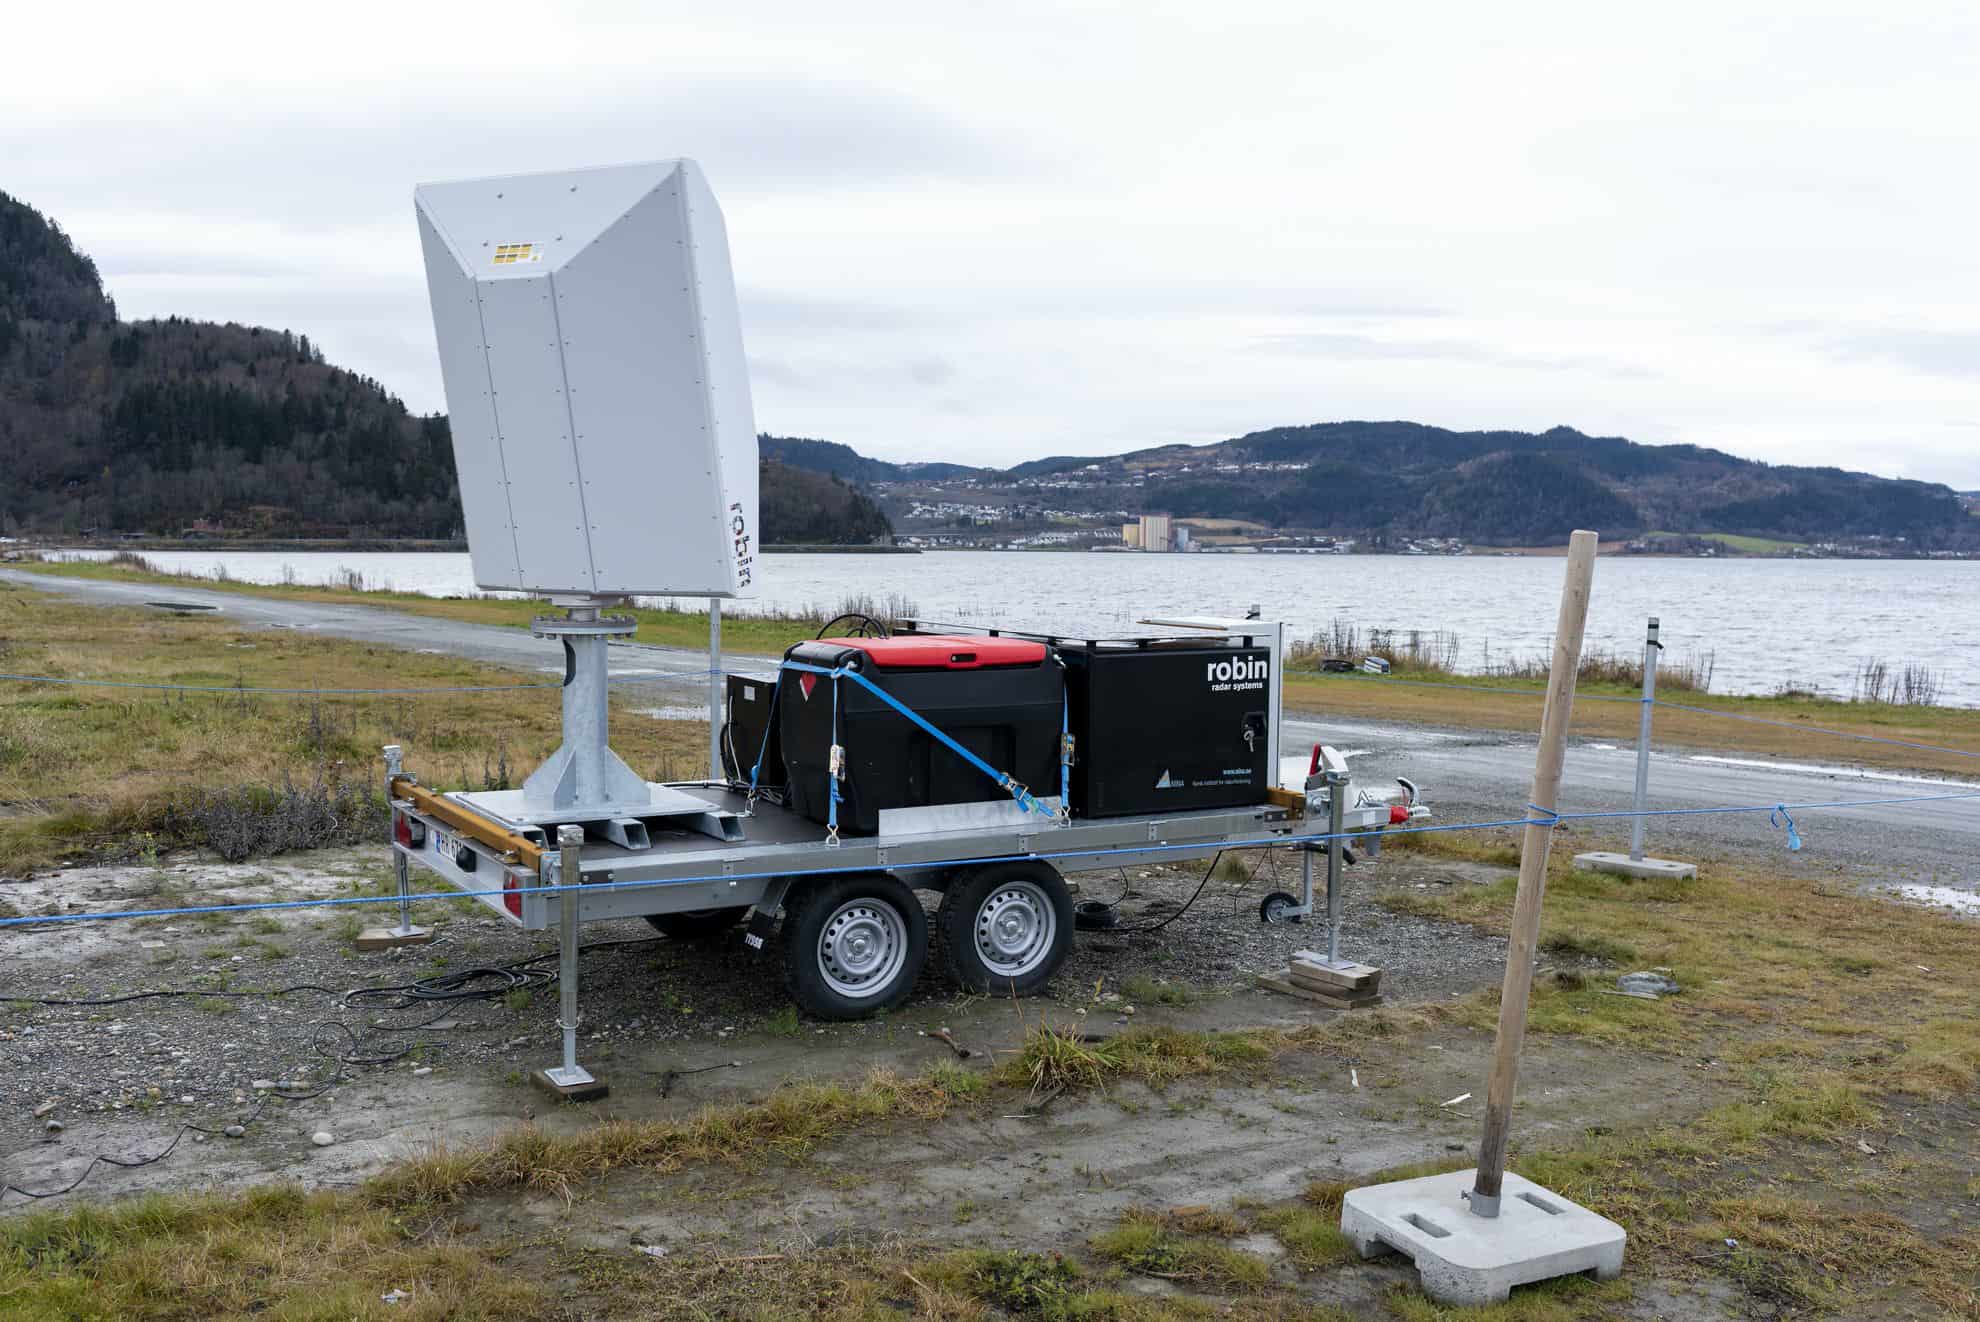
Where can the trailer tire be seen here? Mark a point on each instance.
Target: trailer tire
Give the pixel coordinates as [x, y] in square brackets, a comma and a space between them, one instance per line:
[697, 924]
[853, 945]
[1006, 927]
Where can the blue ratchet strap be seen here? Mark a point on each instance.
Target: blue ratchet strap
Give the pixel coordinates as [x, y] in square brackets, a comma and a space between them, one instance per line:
[1065, 758]
[1547, 816]
[1017, 791]
[763, 749]
[832, 772]
[1779, 817]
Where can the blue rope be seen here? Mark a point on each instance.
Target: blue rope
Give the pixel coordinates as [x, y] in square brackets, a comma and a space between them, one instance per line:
[1275, 841]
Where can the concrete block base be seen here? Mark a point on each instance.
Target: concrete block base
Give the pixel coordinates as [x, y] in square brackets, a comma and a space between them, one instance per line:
[1643, 869]
[585, 1089]
[1467, 1259]
[391, 938]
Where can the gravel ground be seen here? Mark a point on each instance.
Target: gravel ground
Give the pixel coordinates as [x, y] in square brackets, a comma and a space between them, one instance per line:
[140, 1070]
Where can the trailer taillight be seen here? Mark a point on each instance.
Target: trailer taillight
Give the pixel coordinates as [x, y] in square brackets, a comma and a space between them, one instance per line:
[511, 894]
[408, 832]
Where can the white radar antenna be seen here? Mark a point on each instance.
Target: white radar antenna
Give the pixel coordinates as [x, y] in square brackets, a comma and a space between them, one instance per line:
[592, 356]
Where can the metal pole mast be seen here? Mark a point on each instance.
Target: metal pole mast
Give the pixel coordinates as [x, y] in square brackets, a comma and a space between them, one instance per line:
[715, 688]
[1651, 647]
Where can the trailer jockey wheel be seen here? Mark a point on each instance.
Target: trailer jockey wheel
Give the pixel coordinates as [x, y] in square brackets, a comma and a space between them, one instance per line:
[853, 945]
[1278, 908]
[1006, 927]
[697, 924]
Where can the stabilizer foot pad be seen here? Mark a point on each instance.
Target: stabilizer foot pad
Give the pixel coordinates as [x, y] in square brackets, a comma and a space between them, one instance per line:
[391, 938]
[591, 1090]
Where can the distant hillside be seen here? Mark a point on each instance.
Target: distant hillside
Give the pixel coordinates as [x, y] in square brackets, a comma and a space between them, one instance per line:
[1406, 480]
[841, 460]
[162, 427]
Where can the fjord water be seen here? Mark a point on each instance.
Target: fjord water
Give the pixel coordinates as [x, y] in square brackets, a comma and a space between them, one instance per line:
[1767, 623]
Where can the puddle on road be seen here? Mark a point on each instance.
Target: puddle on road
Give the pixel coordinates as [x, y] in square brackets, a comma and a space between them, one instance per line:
[1940, 897]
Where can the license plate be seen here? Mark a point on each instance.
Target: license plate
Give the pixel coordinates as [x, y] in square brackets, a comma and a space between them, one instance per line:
[446, 846]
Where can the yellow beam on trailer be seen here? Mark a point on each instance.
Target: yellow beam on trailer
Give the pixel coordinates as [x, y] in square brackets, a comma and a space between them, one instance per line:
[512, 847]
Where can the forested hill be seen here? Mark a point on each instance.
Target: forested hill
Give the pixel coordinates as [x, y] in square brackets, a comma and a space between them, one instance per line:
[171, 426]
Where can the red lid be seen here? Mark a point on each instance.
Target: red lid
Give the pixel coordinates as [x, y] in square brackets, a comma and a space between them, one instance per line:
[935, 651]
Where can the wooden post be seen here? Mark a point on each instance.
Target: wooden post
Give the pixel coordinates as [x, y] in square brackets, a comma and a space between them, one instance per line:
[1484, 1196]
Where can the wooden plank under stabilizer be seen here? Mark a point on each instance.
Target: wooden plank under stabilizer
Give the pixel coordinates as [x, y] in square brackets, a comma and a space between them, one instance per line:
[1358, 1001]
[1312, 968]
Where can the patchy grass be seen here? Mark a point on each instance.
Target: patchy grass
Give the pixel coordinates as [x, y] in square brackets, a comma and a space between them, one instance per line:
[790, 1122]
[1509, 704]
[200, 1256]
[1146, 1242]
[1845, 1075]
[1144, 990]
[764, 635]
[86, 770]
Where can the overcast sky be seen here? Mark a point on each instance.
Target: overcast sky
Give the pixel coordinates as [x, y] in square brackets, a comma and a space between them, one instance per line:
[988, 233]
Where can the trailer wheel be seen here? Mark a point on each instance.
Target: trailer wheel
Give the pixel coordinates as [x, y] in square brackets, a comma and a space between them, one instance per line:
[1006, 927]
[697, 924]
[853, 945]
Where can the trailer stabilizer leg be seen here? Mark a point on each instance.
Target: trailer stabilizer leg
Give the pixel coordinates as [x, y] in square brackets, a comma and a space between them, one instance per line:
[404, 933]
[569, 1081]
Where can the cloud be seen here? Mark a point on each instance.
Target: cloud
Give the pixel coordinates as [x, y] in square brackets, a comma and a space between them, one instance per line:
[1933, 352]
[1333, 344]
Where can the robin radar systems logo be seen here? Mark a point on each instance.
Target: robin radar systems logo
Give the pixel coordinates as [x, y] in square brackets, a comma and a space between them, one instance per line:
[1237, 675]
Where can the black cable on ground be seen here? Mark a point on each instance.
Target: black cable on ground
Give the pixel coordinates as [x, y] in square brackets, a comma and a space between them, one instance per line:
[465, 984]
[1158, 926]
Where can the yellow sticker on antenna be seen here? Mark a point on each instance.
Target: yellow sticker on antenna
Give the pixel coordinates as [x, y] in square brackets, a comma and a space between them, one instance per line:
[508, 254]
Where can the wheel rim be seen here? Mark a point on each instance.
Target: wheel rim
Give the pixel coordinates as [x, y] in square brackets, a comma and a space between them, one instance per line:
[1015, 928]
[862, 948]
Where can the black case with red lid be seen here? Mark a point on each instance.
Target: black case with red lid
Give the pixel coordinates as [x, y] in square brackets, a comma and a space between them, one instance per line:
[1001, 698]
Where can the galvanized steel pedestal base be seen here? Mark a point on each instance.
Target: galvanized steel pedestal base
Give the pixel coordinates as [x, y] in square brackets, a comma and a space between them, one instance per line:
[1464, 1258]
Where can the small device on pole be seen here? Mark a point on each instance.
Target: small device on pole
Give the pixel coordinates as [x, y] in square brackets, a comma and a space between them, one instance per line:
[1634, 864]
[1476, 1234]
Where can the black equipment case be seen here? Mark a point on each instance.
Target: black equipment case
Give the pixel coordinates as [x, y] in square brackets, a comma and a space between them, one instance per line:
[1162, 725]
[751, 732]
[1001, 698]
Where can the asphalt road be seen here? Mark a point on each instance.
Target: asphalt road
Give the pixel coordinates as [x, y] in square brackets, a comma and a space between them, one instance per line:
[1464, 775]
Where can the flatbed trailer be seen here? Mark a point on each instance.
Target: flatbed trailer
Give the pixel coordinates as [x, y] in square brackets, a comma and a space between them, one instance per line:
[855, 936]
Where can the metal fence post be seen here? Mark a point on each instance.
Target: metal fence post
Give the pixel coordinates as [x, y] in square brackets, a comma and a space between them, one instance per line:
[1651, 647]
